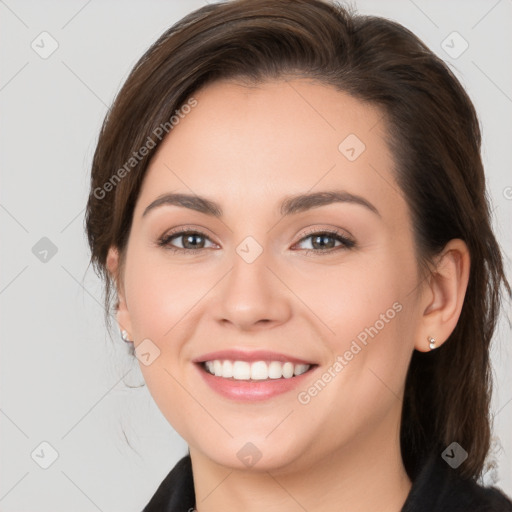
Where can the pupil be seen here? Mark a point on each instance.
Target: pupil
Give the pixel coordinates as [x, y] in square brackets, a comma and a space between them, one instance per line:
[188, 238]
[322, 238]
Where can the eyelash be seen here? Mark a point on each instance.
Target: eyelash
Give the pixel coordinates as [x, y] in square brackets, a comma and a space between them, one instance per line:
[346, 242]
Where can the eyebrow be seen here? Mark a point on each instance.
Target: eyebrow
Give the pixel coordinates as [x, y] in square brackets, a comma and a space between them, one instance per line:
[290, 205]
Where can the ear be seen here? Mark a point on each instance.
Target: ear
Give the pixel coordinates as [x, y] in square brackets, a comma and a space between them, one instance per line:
[442, 302]
[122, 314]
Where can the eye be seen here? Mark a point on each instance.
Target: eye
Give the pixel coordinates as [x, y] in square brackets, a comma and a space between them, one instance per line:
[325, 241]
[190, 240]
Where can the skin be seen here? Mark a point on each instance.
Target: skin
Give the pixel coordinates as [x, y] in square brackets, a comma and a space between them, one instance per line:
[247, 148]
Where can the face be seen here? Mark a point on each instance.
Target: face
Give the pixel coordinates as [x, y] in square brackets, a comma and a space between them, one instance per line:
[326, 288]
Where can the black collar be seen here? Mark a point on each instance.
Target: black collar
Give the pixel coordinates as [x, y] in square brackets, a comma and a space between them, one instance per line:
[176, 492]
[437, 488]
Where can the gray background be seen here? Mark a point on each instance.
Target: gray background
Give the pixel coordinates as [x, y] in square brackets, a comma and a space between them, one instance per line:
[63, 381]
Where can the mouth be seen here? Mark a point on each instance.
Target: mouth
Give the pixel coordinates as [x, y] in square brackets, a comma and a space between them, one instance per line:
[253, 376]
[256, 370]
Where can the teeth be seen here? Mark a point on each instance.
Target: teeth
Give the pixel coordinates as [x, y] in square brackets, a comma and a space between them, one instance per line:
[227, 369]
[241, 370]
[287, 370]
[275, 370]
[258, 370]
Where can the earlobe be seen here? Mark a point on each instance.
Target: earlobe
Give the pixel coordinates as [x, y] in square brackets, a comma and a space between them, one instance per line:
[446, 291]
[122, 313]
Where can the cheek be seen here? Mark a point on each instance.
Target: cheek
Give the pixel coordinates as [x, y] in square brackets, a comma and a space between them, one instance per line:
[160, 295]
[370, 354]
[161, 299]
[369, 310]
[353, 296]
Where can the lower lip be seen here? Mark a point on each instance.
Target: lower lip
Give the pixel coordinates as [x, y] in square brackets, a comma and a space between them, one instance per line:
[252, 390]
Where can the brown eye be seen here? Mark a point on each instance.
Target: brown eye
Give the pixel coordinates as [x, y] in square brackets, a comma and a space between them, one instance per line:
[190, 241]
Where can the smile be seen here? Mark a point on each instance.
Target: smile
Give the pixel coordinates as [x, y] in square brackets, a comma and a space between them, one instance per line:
[257, 370]
[248, 376]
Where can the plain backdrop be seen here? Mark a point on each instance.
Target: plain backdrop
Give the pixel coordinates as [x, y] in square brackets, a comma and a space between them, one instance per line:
[64, 383]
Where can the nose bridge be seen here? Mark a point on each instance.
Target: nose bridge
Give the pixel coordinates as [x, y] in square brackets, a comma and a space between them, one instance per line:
[250, 263]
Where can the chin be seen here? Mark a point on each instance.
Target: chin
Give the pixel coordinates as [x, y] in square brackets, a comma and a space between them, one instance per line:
[254, 455]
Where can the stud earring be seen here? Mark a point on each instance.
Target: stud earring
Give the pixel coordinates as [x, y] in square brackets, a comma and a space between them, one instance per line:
[432, 342]
[124, 335]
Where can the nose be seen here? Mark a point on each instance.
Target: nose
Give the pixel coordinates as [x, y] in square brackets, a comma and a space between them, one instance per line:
[251, 297]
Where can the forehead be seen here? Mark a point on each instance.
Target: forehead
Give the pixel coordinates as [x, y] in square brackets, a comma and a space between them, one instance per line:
[279, 137]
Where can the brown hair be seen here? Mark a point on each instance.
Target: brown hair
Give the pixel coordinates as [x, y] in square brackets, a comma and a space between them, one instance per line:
[434, 135]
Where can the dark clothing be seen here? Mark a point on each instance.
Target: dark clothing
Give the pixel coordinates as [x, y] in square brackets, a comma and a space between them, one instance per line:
[437, 488]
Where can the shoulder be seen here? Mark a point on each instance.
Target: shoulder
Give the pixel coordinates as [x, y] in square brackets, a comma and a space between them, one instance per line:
[438, 488]
[176, 492]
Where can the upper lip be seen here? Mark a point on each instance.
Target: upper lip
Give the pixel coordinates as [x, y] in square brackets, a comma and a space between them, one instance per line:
[250, 356]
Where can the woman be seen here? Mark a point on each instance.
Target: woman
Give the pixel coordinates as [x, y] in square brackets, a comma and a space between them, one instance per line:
[288, 201]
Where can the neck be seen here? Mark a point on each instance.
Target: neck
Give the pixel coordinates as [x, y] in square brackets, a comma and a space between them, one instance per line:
[367, 475]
